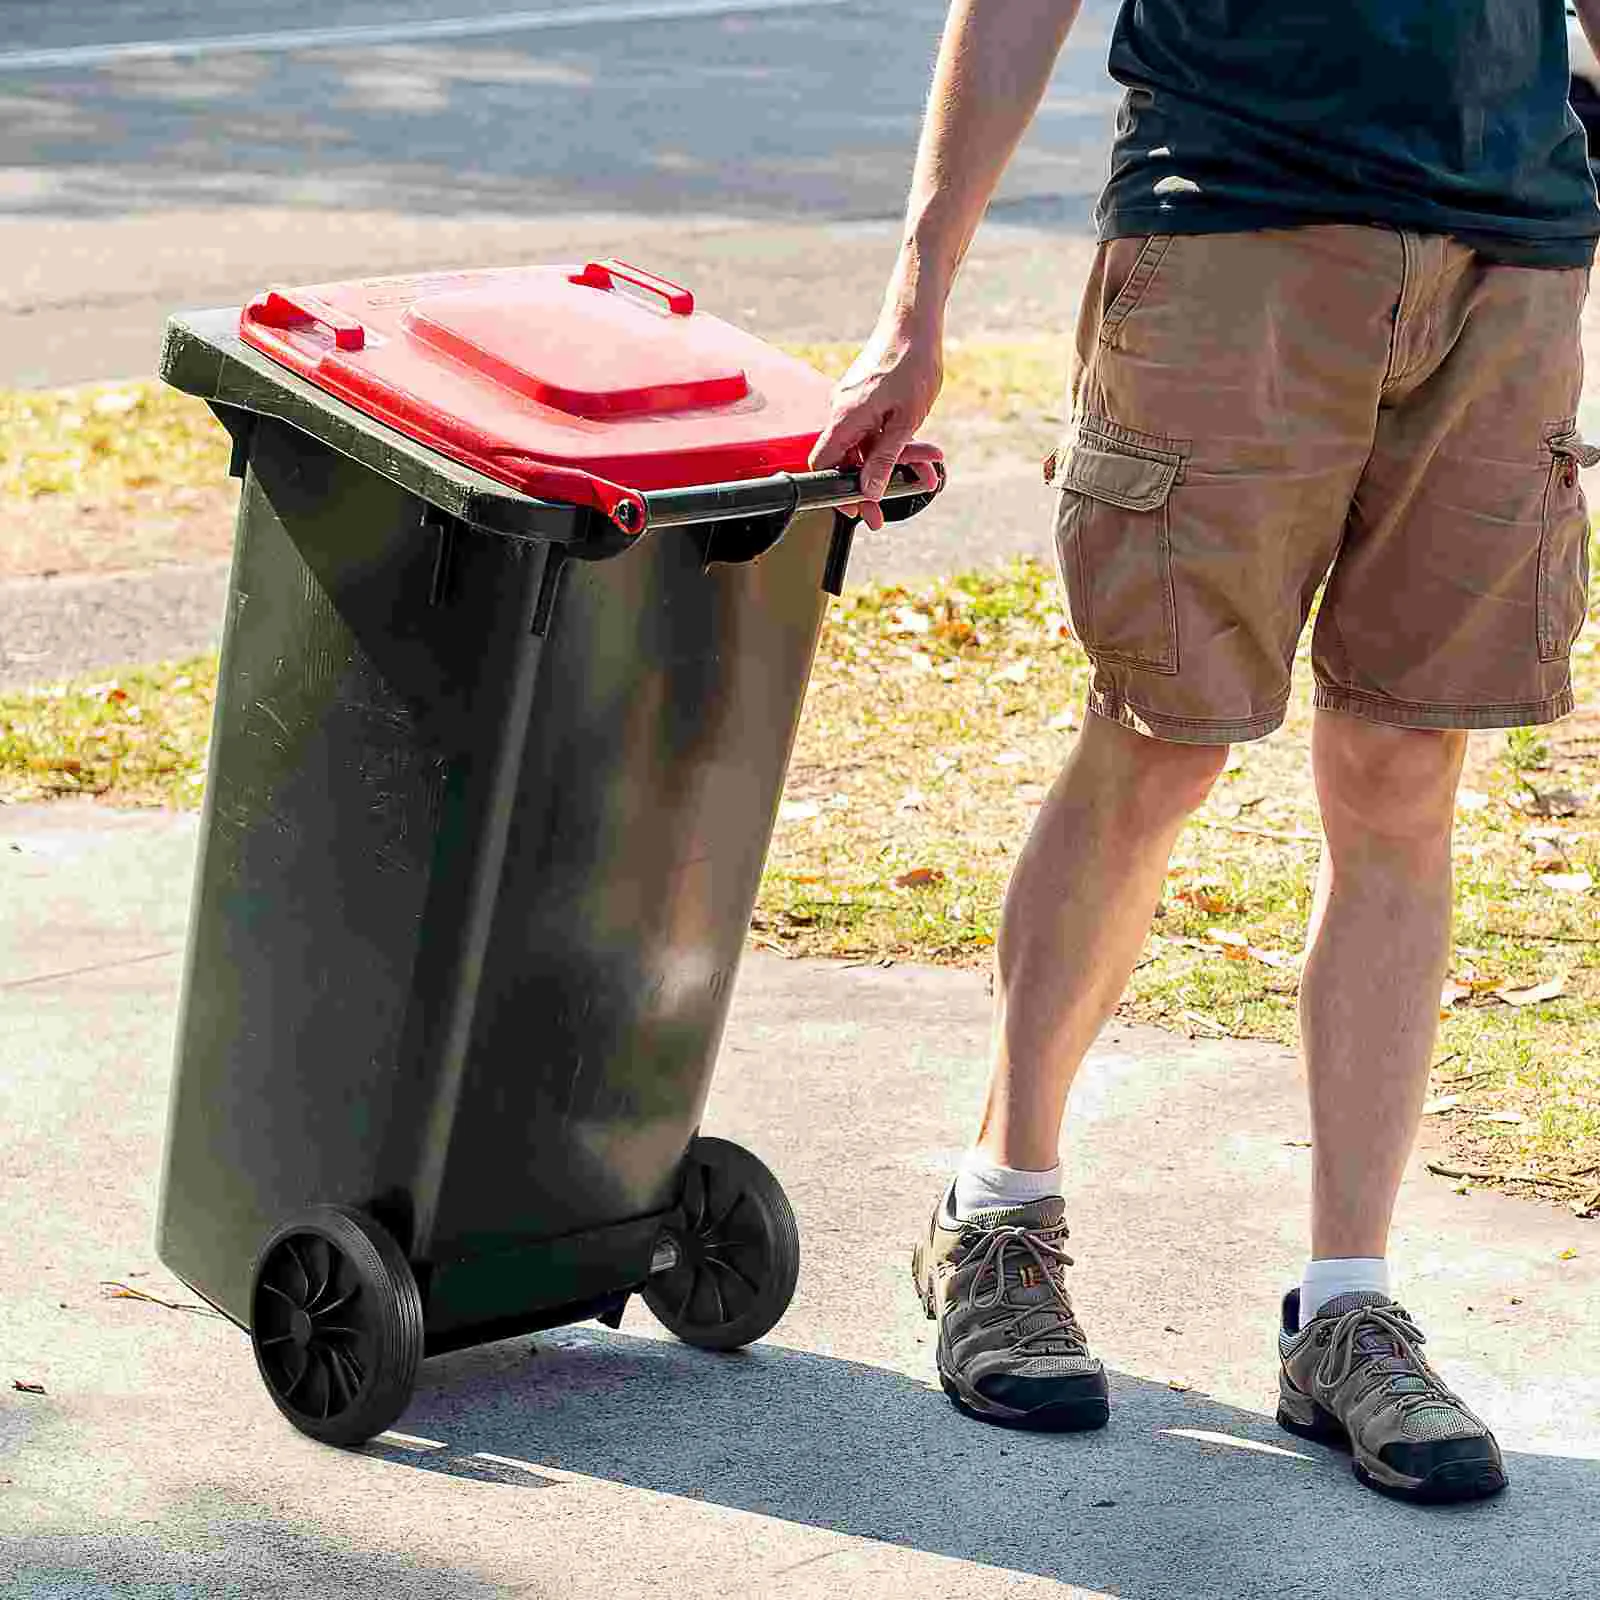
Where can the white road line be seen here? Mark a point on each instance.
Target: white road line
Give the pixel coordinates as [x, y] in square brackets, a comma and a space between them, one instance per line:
[409, 1441]
[98, 55]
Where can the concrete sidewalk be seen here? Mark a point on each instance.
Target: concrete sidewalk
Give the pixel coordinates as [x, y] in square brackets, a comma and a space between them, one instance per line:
[821, 1463]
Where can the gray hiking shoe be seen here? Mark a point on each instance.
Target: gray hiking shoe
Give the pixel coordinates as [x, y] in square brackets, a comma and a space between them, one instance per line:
[1355, 1376]
[1010, 1348]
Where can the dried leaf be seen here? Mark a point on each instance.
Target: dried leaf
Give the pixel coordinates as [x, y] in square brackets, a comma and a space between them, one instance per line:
[1548, 856]
[1513, 1119]
[1437, 1107]
[1548, 990]
[1209, 895]
[919, 878]
[1569, 1254]
[1550, 802]
[907, 619]
[1274, 958]
[1451, 993]
[1569, 882]
[23, 1386]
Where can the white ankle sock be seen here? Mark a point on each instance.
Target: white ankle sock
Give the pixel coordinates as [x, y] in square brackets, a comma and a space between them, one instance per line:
[980, 1186]
[1328, 1279]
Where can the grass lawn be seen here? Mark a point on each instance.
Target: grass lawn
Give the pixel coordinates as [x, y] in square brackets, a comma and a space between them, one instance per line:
[936, 718]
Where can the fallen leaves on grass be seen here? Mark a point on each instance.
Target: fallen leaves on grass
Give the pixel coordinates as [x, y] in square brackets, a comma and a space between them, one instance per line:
[919, 878]
[1550, 989]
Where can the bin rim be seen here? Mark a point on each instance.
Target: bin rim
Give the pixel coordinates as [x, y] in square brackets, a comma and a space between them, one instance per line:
[203, 355]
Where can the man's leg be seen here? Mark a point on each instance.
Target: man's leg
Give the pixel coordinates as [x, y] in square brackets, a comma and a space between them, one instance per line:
[990, 1268]
[1353, 1370]
[1076, 914]
[1376, 959]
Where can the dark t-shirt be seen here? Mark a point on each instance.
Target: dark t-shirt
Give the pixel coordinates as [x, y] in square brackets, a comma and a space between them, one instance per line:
[1441, 116]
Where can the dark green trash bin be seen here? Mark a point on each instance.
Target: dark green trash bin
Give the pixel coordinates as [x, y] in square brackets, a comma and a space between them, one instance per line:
[511, 670]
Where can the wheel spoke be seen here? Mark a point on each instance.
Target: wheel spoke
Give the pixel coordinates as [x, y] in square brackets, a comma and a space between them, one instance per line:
[294, 1255]
[688, 1297]
[732, 1271]
[299, 1377]
[716, 1294]
[738, 1200]
[324, 1366]
[324, 1329]
[339, 1304]
[694, 1195]
[338, 1378]
[277, 1338]
[329, 1262]
[287, 1299]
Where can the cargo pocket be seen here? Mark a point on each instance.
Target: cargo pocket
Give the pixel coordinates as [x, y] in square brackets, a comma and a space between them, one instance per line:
[1564, 545]
[1113, 543]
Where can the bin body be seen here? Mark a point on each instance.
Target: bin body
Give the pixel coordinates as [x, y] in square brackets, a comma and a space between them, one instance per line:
[492, 776]
[470, 898]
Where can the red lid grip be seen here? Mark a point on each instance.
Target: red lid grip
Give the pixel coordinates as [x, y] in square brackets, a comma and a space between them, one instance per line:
[602, 274]
[286, 308]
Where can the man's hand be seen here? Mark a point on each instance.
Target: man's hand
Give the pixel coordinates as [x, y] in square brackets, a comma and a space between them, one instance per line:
[878, 405]
[995, 59]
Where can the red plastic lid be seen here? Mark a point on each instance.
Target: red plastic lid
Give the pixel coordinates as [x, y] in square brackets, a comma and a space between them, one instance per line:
[556, 380]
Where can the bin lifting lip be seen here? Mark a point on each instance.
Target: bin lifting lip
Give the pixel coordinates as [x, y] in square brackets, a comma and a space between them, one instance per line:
[557, 381]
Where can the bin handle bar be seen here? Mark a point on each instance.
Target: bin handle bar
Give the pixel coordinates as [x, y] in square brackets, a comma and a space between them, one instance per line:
[604, 274]
[783, 491]
[291, 308]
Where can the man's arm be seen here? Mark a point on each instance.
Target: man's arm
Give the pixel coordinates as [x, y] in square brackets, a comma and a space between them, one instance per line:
[995, 61]
[1589, 16]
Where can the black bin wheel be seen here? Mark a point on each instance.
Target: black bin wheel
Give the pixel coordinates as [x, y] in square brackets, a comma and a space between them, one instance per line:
[336, 1324]
[738, 1251]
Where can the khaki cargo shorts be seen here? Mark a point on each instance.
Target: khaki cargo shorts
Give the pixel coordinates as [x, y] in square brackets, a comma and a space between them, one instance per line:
[1255, 413]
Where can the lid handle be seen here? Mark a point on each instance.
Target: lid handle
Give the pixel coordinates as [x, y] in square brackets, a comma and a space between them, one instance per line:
[292, 308]
[603, 274]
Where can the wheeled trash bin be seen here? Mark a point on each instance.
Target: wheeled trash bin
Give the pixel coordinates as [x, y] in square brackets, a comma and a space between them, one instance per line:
[527, 583]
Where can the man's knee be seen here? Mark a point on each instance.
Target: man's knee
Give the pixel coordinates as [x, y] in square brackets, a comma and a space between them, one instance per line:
[1151, 779]
[1383, 782]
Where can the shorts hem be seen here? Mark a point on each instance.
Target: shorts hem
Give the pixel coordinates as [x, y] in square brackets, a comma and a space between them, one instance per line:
[1425, 714]
[1183, 730]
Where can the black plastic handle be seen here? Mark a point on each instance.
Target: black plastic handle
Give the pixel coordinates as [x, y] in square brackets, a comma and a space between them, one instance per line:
[783, 492]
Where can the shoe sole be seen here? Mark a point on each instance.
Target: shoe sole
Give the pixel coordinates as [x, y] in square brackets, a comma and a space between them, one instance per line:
[1447, 1484]
[1081, 1415]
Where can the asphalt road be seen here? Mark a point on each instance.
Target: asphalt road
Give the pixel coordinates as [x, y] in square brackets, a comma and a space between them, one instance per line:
[178, 154]
[456, 107]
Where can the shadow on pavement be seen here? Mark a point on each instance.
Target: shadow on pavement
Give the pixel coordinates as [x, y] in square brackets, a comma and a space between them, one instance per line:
[1181, 1495]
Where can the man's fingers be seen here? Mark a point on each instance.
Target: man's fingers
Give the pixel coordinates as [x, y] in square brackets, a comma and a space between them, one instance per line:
[843, 433]
[880, 463]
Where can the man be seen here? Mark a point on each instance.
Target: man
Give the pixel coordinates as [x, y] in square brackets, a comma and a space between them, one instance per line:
[1331, 334]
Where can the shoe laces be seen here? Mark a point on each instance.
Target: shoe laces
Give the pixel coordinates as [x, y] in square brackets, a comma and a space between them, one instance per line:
[1387, 1343]
[1053, 1316]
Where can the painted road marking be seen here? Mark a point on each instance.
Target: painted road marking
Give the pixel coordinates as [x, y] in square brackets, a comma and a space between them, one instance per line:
[99, 55]
[409, 1441]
